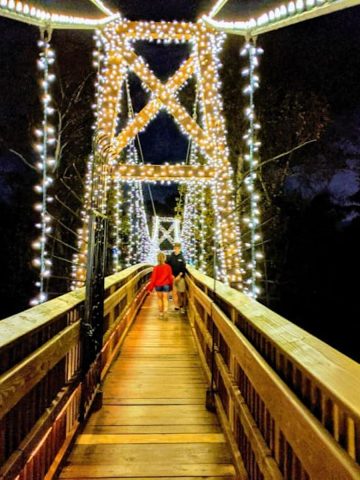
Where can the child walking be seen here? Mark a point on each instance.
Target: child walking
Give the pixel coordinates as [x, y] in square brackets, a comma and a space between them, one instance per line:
[161, 279]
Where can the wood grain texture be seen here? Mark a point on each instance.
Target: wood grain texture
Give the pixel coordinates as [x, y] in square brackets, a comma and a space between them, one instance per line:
[297, 432]
[153, 423]
[18, 381]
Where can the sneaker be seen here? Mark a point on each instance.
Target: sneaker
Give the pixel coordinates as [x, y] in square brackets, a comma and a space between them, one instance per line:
[176, 308]
[182, 310]
[161, 314]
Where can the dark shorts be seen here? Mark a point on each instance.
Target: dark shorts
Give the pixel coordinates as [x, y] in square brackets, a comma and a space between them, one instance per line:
[163, 288]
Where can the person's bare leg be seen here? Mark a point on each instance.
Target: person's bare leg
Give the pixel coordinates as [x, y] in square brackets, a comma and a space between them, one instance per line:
[165, 299]
[160, 301]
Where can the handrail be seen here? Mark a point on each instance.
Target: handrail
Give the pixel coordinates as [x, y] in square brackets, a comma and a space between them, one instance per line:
[290, 403]
[41, 388]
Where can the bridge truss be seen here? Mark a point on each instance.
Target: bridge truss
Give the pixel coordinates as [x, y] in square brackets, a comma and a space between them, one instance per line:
[209, 136]
[212, 177]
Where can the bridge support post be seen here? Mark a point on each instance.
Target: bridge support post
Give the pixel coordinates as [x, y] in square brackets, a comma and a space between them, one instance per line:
[92, 322]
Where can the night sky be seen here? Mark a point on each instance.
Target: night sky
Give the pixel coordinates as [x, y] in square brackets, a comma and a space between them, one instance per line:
[319, 58]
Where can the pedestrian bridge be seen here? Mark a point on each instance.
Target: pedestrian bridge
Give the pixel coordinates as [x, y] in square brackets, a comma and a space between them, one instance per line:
[287, 406]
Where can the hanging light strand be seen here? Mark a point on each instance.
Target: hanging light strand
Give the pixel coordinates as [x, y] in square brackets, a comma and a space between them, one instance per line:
[139, 244]
[116, 226]
[252, 53]
[46, 143]
[79, 260]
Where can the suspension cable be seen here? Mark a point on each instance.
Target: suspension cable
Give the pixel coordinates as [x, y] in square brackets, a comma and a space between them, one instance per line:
[194, 116]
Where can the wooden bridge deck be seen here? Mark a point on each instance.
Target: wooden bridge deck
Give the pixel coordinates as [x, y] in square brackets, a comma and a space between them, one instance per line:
[153, 423]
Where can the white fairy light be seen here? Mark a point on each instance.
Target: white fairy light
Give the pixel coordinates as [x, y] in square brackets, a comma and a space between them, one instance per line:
[45, 147]
[26, 12]
[139, 237]
[117, 39]
[274, 17]
[251, 52]
[116, 224]
[90, 191]
[188, 228]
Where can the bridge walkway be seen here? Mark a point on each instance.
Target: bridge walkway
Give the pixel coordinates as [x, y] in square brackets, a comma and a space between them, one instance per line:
[153, 422]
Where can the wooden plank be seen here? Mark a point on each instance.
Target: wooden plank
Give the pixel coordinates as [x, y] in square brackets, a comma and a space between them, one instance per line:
[151, 429]
[170, 392]
[153, 438]
[128, 382]
[152, 415]
[152, 401]
[156, 350]
[153, 362]
[152, 376]
[158, 371]
[138, 470]
[221, 477]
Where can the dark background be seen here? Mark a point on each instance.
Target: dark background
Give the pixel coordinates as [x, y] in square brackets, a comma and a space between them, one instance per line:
[310, 90]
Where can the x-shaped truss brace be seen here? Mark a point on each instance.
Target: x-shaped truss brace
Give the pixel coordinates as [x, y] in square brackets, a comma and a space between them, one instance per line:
[163, 96]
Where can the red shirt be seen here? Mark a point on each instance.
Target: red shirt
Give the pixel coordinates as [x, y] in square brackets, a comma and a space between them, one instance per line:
[161, 275]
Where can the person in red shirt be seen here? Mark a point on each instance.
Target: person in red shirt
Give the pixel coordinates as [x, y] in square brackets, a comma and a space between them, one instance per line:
[162, 280]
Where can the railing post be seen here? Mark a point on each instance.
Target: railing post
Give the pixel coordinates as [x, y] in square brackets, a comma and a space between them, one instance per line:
[92, 322]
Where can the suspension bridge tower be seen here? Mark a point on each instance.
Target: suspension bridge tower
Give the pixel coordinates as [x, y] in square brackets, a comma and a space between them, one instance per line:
[211, 170]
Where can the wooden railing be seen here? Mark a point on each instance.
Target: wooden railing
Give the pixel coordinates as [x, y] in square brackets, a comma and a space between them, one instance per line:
[289, 403]
[42, 387]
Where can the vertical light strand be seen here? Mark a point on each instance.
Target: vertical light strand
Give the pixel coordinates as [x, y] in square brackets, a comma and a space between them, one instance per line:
[220, 272]
[227, 231]
[145, 241]
[46, 142]
[131, 222]
[135, 213]
[252, 52]
[139, 237]
[188, 231]
[116, 224]
[202, 230]
[79, 259]
[154, 239]
[189, 214]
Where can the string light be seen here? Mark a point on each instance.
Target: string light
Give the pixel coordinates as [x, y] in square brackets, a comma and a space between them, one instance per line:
[252, 53]
[203, 227]
[188, 228]
[139, 237]
[273, 17]
[164, 229]
[90, 188]
[194, 173]
[210, 138]
[116, 224]
[117, 37]
[30, 13]
[226, 231]
[45, 146]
